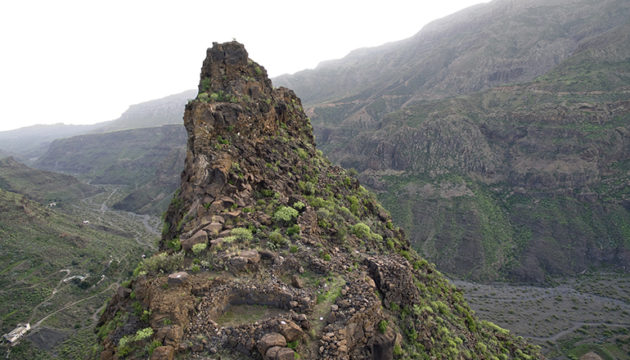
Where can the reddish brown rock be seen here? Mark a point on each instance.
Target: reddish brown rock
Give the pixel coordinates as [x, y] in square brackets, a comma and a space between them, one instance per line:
[270, 340]
[272, 352]
[200, 237]
[252, 256]
[291, 331]
[170, 335]
[214, 228]
[285, 354]
[163, 353]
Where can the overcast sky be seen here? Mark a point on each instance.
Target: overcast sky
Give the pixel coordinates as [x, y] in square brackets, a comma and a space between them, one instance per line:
[81, 62]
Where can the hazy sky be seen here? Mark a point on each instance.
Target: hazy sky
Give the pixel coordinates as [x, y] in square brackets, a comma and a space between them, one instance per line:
[81, 62]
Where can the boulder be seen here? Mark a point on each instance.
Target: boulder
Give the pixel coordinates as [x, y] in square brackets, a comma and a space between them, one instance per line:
[590, 356]
[177, 278]
[271, 340]
[218, 219]
[252, 256]
[200, 237]
[107, 354]
[297, 282]
[291, 331]
[272, 352]
[214, 228]
[285, 354]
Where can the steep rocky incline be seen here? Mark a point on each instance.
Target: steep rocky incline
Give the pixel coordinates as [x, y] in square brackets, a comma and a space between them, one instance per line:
[271, 252]
[530, 177]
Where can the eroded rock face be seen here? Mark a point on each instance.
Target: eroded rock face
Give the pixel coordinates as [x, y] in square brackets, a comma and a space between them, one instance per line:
[299, 258]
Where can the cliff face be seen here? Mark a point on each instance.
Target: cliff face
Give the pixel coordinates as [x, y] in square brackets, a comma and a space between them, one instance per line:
[271, 252]
[530, 177]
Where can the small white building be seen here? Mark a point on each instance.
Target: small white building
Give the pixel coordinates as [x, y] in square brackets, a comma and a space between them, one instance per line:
[17, 333]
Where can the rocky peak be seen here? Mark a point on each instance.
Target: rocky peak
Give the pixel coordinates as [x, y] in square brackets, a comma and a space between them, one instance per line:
[227, 68]
[271, 252]
[236, 94]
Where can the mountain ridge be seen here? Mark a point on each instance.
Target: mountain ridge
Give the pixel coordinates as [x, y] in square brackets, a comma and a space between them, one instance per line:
[264, 225]
[557, 135]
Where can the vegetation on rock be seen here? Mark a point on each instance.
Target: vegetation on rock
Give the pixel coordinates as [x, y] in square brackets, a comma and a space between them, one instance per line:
[294, 244]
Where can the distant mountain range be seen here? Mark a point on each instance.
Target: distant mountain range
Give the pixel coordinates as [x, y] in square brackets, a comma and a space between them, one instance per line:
[28, 143]
[498, 136]
[136, 150]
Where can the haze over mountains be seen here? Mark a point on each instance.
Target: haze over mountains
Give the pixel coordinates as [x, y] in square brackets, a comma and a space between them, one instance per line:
[525, 178]
[497, 137]
[466, 171]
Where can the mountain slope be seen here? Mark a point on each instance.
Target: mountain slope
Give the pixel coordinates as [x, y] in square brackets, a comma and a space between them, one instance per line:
[30, 142]
[56, 272]
[285, 255]
[41, 186]
[154, 113]
[147, 160]
[477, 48]
[531, 177]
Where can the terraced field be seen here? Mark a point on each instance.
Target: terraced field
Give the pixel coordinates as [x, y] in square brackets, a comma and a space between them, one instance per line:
[59, 267]
[569, 319]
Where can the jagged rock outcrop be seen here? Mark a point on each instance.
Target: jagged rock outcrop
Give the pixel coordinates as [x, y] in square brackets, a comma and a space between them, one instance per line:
[270, 252]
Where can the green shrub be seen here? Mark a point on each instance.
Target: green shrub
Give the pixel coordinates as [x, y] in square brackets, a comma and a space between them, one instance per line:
[293, 230]
[382, 326]
[354, 204]
[124, 344]
[174, 244]
[376, 237]
[163, 262]
[308, 188]
[205, 84]
[229, 239]
[203, 97]
[223, 141]
[198, 248]
[302, 153]
[242, 234]
[285, 214]
[298, 205]
[143, 334]
[267, 192]
[361, 230]
[276, 240]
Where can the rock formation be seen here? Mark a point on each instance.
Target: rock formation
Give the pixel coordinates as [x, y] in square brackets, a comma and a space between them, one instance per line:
[271, 252]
